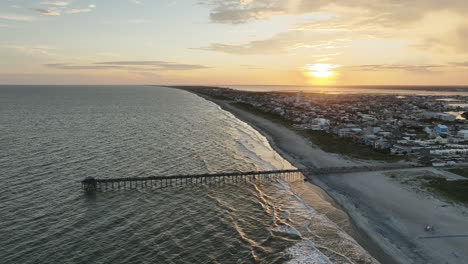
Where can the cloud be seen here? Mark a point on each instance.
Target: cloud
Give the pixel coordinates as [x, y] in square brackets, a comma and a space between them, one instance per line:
[250, 67]
[161, 65]
[16, 17]
[395, 67]
[48, 12]
[133, 63]
[63, 66]
[395, 20]
[455, 39]
[31, 49]
[77, 10]
[462, 38]
[130, 65]
[235, 11]
[55, 3]
[59, 7]
[460, 64]
[281, 43]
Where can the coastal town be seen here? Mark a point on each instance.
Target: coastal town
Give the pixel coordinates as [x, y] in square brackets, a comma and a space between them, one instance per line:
[427, 129]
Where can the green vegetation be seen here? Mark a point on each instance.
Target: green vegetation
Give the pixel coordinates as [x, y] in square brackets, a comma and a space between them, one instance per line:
[327, 142]
[427, 181]
[270, 116]
[218, 96]
[455, 190]
[332, 143]
[460, 171]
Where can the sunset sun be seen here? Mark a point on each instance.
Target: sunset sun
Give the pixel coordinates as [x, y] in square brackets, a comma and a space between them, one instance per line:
[321, 70]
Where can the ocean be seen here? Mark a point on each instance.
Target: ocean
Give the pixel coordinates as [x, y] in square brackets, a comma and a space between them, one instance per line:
[54, 136]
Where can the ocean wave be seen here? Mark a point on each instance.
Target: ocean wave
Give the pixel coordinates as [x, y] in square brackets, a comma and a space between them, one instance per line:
[289, 230]
[306, 252]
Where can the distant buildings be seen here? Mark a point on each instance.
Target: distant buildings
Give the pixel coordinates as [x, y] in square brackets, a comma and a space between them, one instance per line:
[440, 116]
[320, 124]
[400, 125]
[298, 97]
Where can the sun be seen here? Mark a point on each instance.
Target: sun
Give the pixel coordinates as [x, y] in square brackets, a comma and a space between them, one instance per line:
[321, 70]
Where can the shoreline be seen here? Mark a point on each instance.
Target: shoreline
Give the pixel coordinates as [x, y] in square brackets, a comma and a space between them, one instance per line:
[353, 230]
[385, 238]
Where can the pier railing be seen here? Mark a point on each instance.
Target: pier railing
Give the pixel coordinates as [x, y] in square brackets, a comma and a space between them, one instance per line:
[93, 184]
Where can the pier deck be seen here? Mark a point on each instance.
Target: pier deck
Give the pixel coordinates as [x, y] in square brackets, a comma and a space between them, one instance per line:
[93, 184]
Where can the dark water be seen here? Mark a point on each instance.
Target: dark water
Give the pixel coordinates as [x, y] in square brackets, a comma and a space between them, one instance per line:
[52, 137]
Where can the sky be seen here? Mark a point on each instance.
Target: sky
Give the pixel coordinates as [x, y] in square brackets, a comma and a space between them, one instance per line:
[234, 42]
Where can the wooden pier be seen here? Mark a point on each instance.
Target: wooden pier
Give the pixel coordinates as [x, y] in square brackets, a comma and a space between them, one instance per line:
[92, 184]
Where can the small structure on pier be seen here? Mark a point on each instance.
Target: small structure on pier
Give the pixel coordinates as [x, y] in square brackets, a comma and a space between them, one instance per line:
[89, 184]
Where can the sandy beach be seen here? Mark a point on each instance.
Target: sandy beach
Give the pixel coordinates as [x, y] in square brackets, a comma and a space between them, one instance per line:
[390, 214]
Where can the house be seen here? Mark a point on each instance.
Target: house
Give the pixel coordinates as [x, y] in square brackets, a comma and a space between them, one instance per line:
[322, 122]
[368, 139]
[441, 129]
[441, 116]
[443, 164]
[463, 134]
[428, 130]
[344, 132]
[382, 144]
[441, 140]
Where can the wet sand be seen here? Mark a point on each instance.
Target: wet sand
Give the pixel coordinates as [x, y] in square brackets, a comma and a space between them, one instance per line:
[389, 215]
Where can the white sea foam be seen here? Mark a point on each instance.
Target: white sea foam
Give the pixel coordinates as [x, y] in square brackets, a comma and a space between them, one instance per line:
[257, 148]
[286, 229]
[306, 252]
[297, 218]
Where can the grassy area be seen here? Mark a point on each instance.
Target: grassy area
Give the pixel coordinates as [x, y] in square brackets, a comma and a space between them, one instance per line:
[327, 142]
[455, 190]
[270, 116]
[460, 171]
[427, 181]
[219, 97]
[334, 144]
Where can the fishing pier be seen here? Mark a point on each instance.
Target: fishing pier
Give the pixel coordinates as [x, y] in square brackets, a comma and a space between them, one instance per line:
[93, 184]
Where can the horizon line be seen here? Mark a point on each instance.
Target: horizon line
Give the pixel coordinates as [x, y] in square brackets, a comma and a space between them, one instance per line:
[272, 85]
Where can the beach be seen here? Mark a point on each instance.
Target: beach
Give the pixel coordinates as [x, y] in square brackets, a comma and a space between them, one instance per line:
[389, 214]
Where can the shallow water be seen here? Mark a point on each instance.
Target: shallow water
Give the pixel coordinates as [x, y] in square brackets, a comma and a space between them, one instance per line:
[52, 137]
